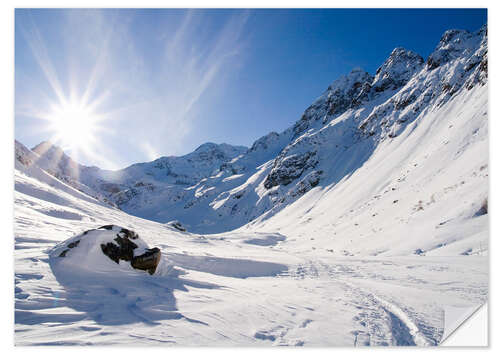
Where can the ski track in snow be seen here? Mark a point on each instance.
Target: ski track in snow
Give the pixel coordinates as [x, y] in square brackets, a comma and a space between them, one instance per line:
[313, 292]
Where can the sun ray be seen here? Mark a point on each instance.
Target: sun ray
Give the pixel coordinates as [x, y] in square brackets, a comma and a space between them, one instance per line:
[37, 45]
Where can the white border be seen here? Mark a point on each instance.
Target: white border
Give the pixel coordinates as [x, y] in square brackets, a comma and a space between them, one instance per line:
[468, 332]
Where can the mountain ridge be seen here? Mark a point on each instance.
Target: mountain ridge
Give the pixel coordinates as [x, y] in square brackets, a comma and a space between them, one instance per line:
[228, 187]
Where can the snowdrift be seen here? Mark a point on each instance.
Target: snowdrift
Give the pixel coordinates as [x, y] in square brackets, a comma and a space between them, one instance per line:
[109, 250]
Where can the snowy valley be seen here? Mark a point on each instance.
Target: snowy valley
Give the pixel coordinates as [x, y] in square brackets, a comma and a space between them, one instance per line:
[361, 224]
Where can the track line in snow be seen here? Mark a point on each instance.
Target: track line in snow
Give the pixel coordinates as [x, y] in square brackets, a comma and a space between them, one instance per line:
[398, 316]
[382, 322]
[403, 330]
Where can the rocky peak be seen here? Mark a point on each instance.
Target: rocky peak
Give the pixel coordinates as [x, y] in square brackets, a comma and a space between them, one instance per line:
[211, 151]
[453, 44]
[46, 147]
[397, 70]
[264, 142]
[346, 92]
[56, 160]
[24, 155]
[452, 35]
[483, 31]
[206, 147]
[353, 80]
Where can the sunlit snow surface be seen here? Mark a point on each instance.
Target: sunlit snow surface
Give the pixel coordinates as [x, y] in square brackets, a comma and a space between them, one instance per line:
[284, 287]
[394, 234]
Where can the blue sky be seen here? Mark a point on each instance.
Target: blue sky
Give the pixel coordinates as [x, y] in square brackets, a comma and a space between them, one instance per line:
[162, 82]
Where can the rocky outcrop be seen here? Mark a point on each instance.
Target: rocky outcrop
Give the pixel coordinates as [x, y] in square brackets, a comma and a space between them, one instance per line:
[116, 243]
[346, 92]
[265, 142]
[147, 261]
[122, 248]
[397, 70]
[289, 168]
[453, 44]
[310, 181]
[462, 60]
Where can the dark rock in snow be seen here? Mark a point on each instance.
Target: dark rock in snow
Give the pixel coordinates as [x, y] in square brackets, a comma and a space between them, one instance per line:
[147, 261]
[107, 227]
[483, 209]
[116, 243]
[74, 244]
[177, 225]
[63, 253]
[125, 248]
[123, 251]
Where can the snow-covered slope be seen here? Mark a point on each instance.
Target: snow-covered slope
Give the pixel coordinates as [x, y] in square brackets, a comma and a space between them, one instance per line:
[373, 207]
[414, 160]
[237, 288]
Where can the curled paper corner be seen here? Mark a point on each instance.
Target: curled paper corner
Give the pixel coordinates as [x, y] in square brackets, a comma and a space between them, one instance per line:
[456, 316]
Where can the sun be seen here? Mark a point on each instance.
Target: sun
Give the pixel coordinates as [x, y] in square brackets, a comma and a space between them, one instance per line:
[74, 125]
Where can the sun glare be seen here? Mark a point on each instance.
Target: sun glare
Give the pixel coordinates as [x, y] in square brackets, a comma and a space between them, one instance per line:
[73, 124]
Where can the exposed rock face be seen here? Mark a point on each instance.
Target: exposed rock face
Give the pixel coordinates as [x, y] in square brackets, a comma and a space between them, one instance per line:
[459, 60]
[288, 168]
[397, 70]
[310, 181]
[346, 92]
[453, 44]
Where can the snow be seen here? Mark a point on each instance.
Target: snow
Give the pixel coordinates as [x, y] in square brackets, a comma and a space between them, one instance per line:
[362, 224]
[225, 289]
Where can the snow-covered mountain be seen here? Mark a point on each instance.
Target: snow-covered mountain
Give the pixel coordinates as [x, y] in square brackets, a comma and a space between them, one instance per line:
[125, 185]
[221, 187]
[238, 288]
[373, 206]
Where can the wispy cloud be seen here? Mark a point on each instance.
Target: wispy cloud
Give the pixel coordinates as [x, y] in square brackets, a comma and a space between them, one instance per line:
[193, 65]
[226, 47]
[36, 42]
[148, 89]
